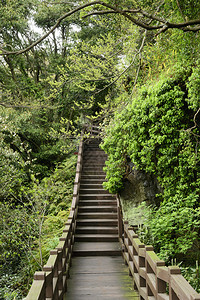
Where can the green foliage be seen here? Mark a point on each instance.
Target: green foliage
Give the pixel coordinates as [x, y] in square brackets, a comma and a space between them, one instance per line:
[30, 230]
[153, 131]
[52, 88]
[193, 86]
[192, 275]
[13, 14]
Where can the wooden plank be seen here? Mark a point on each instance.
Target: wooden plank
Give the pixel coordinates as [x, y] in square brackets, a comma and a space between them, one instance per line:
[182, 288]
[37, 291]
[154, 260]
[99, 278]
[163, 274]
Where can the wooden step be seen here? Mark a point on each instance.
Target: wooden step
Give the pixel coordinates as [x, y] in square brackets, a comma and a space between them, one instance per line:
[97, 209]
[97, 222]
[96, 197]
[94, 164]
[94, 157]
[91, 186]
[98, 152]
[96, 230]
[92, 144]
[96, 215]
[92, 168]
[97, 249]
[86, 179]
[97, 203]
[93, 172]
[92, 148]
[96, 238]
[93, 191]
[93, 161]
[92, 177]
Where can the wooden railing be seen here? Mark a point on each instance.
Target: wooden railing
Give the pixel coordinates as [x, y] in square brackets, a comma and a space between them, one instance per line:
[151, 277]
[51, 283]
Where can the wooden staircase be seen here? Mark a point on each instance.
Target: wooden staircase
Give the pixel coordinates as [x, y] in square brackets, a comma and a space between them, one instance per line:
[97, 225]
[98, 270]
[91, 242]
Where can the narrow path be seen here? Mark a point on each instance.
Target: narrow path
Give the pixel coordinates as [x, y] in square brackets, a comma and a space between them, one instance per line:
[98, 270]
[100, 277]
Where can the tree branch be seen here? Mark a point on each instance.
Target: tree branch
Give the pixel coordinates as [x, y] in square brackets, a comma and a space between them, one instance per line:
[105, 12]
[140, 57]
[4, 52]
[122, 73]
[186, 26]
[194, 119]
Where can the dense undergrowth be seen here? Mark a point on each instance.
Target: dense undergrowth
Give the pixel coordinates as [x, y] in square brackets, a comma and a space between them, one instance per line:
[37, 175]
[157, 128]
[144, 85]
[156, 132]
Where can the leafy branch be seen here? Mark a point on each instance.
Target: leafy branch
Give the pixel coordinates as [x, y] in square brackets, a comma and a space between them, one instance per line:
[162, 24]
[195, 123]
[127, 68]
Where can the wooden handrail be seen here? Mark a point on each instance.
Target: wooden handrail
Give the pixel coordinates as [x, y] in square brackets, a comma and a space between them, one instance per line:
[51, 283]
[151, 277]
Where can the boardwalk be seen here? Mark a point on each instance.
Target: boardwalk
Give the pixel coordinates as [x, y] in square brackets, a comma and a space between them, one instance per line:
[91, 242]
[98, 270]
[100, 277]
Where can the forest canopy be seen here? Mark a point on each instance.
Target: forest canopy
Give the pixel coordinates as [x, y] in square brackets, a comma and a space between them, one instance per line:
[133, 68]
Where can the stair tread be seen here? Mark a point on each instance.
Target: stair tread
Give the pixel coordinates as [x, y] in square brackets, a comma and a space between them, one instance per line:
[92, 166]
[96, 235]
[91, 246]
[99, 206]
[99, 228]
[92, 184]
[93, 190]
[97, 200]
[93, 214]
[95, 220]
[100, 176]
[102, 195]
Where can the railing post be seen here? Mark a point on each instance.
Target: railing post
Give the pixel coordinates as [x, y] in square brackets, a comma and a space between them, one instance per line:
[40, 277]
[162, 278]
[173, 270]
[120, 219]
[124, 237]
[49, 281]
[55, 274]
[63, 260]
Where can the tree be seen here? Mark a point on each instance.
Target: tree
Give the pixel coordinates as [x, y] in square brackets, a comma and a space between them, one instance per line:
[137, 16]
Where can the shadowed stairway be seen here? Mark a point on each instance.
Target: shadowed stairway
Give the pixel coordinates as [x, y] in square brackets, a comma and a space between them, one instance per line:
[98, 270]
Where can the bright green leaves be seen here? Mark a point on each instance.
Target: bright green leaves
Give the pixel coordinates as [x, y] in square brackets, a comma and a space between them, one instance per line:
[193, 86]
[153, 132]
[174, 227]
[29, 230]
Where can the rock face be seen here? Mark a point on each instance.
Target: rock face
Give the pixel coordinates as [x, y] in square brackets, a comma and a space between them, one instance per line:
[138, 187]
